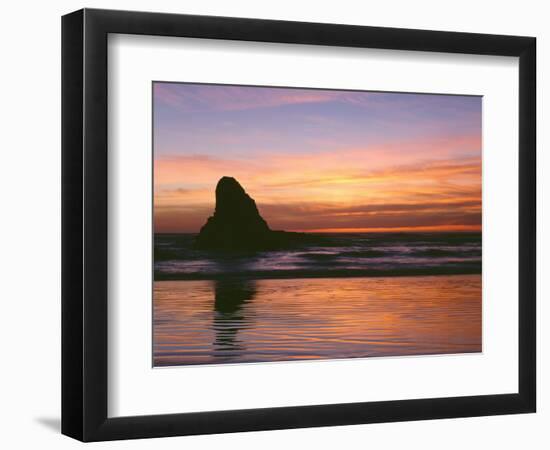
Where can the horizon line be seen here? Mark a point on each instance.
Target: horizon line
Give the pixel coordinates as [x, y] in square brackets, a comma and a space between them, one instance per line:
[420, 229]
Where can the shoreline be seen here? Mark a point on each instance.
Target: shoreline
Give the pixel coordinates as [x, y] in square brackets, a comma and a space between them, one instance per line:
[293, 274]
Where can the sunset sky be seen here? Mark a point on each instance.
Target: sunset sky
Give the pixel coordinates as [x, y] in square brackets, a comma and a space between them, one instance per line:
[318, 160]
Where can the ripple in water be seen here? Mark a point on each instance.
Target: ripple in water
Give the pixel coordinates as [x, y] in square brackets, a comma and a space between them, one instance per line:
[239, 320]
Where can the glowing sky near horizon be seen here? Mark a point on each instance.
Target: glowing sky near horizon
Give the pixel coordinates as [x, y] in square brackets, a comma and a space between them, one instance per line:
[318, 160]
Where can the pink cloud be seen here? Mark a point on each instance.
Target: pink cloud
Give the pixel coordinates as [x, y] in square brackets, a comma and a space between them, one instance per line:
[234, 98]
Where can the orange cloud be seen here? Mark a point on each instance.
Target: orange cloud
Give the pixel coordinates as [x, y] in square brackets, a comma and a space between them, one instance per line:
[325, 193]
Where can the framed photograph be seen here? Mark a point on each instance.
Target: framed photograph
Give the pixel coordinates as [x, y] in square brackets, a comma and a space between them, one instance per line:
[272, 224]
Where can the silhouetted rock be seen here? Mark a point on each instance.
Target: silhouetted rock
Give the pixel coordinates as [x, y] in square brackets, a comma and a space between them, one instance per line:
[237, 224]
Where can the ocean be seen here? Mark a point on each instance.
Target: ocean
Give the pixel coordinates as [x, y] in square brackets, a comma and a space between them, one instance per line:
[331, 255]
[341, 296]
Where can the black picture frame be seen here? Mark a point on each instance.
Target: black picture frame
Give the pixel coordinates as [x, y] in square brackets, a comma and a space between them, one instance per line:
[84, 224]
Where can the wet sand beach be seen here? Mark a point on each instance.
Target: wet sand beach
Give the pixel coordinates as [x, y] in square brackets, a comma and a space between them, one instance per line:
[237, 320]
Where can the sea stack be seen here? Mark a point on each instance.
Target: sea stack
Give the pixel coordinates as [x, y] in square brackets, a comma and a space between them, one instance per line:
[236, 223]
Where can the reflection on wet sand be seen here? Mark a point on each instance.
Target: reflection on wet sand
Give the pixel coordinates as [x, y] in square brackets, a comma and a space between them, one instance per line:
[235, 321]
[230, 296]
